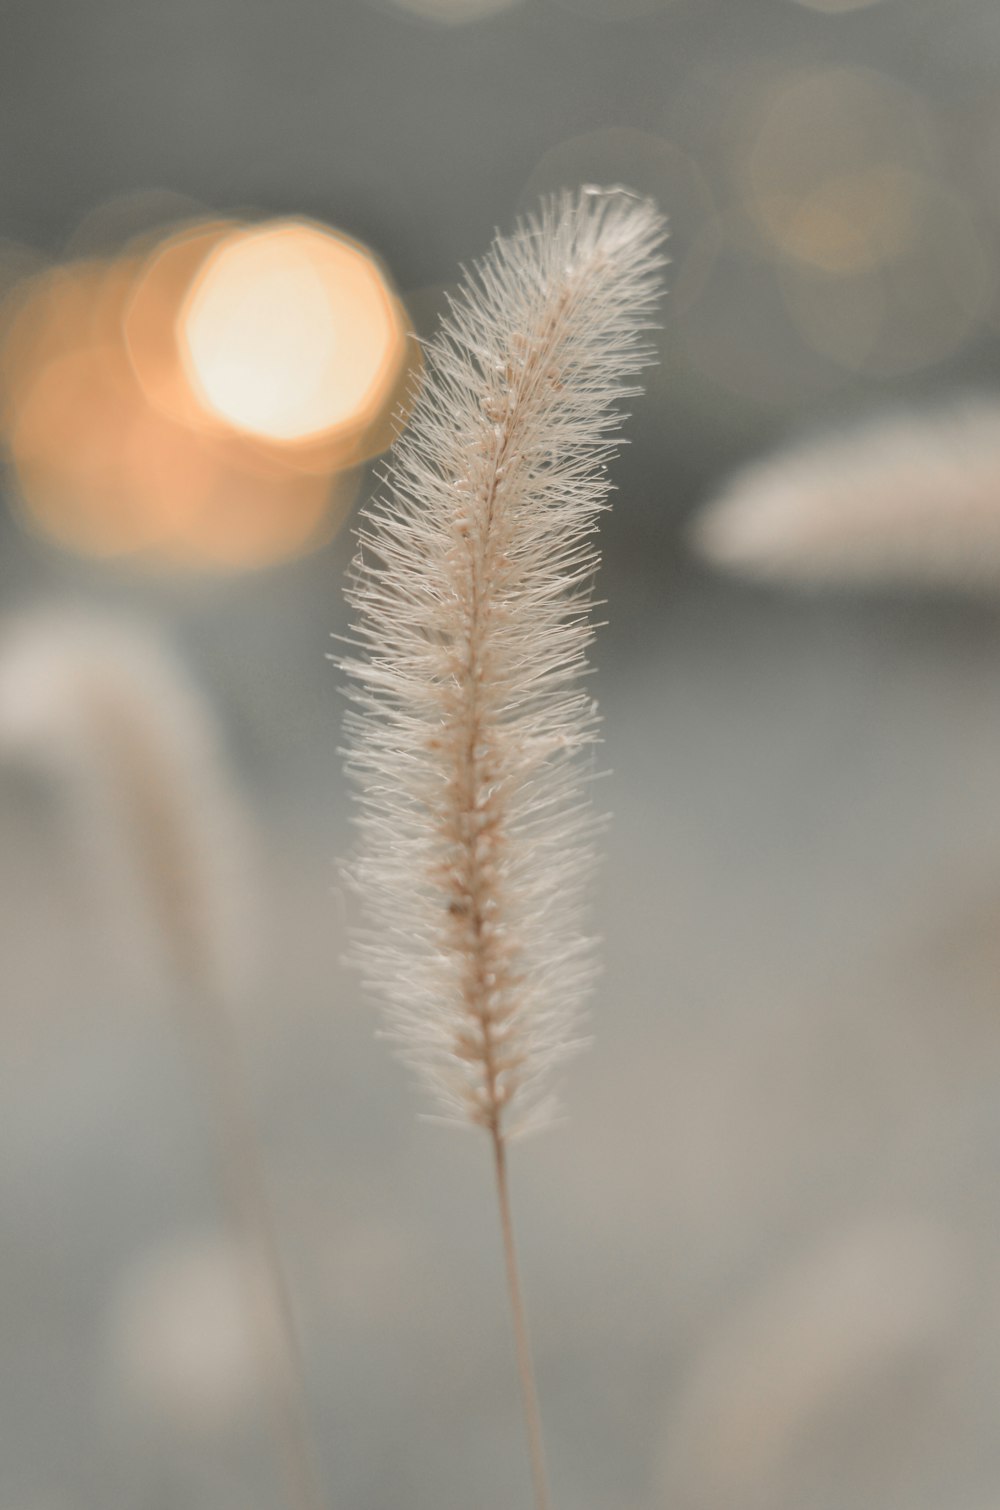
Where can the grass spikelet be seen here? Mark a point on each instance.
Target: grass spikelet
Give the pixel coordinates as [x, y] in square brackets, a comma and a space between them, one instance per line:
[471, 729]
[470, 736]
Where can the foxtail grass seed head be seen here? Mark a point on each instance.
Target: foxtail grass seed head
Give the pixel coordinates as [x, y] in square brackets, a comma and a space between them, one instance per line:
[470, 735]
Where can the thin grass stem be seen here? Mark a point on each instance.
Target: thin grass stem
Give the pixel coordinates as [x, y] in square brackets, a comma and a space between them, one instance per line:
[243, 1182]
[525, 1364]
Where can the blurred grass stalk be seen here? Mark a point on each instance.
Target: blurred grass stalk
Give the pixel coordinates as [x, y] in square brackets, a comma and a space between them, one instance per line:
[100, 704]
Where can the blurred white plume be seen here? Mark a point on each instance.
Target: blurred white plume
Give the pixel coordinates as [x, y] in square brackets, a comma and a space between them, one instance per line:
[100, 704]
[913, 498]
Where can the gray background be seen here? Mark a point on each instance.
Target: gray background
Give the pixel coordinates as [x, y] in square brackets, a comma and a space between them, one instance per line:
[762, 1253]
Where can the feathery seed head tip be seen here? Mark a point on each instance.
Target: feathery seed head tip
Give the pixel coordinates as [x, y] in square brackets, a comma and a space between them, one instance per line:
[469, 734]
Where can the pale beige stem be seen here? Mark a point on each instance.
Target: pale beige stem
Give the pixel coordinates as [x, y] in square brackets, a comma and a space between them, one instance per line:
[241, 1174]
[526, 1369]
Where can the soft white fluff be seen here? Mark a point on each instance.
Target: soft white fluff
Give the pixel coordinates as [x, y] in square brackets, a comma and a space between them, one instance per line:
[102, 703]
[470, 738]
[912, 498]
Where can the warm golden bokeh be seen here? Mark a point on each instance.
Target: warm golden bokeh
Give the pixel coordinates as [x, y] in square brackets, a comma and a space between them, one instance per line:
[290, 334]
[843, 244]
[150, 316]
[831, 171]
[163, 404]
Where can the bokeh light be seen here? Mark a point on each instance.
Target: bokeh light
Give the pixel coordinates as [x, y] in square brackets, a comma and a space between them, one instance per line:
[829, 173]
[835, 7]
[265, 328]
[151, 315]
[180, 1336]
[843, 244]
[880, 264]
[610, 11]
[913, 310]
[453, 12]
[157, 404]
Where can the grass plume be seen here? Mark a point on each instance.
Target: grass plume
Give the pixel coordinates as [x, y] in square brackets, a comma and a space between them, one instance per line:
[906, 499]
[470, 735]
[101, 704]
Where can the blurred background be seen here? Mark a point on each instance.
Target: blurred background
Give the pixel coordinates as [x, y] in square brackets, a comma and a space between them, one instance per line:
[761, 1255]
